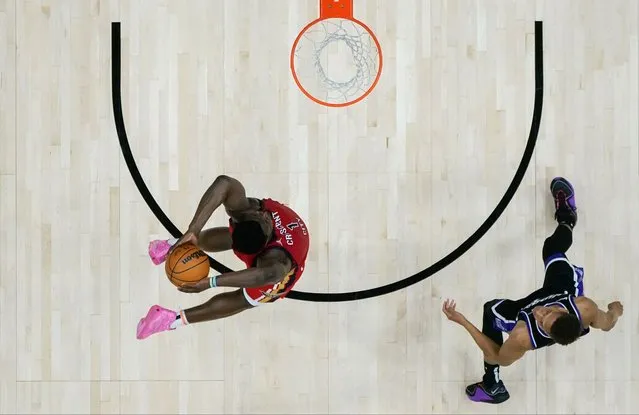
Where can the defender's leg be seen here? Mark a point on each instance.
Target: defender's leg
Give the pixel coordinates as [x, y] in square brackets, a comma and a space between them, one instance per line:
[499, 316]
[560, 274]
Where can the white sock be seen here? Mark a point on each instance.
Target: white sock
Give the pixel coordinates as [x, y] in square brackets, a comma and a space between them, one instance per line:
[180, 320]
[172, 241]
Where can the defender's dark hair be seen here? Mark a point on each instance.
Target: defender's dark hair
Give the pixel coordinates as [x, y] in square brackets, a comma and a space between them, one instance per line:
[566, 329]
[248, 237]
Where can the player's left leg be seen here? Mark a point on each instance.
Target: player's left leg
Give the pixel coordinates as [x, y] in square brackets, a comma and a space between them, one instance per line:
[159, 319]
[560, 274]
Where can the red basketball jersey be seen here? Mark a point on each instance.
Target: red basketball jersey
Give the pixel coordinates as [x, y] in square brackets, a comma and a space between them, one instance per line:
[291, 235]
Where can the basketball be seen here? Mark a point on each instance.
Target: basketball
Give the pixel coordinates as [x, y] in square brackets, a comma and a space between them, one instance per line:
[186, 264]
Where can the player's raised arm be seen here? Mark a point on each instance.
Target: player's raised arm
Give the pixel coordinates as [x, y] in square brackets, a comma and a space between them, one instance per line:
[599, 319]
[224, 190]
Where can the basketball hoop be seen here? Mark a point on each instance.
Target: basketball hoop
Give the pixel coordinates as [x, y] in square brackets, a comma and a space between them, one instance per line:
[336, 60]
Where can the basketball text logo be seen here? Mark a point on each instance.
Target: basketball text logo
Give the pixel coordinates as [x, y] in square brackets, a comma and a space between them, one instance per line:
[194, 255]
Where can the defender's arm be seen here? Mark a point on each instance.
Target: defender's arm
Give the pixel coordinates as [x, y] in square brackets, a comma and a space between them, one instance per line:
[599, 319]
[505, 355]
[511, 351]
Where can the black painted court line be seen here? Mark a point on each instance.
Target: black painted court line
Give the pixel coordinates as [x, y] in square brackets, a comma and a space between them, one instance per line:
[355, 295]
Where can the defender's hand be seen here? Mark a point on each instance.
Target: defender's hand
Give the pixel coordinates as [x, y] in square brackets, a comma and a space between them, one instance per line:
[616, 308]
[198, 287]
[448, 308]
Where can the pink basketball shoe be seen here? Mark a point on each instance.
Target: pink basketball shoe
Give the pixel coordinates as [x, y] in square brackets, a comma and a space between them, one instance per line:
[158, 251]
[158, 319]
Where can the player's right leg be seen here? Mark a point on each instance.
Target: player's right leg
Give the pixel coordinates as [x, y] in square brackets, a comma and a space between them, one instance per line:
[210, 240]
[556, 245]
[560, 273]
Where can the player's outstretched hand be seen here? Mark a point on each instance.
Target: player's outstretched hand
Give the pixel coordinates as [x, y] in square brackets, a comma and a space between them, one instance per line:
[448, 308]
[197, 287]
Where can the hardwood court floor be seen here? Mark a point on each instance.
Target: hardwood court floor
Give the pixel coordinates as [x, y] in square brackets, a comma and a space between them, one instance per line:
[387, 186]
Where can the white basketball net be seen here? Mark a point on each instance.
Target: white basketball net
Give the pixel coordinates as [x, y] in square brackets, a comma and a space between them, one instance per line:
[336, 60]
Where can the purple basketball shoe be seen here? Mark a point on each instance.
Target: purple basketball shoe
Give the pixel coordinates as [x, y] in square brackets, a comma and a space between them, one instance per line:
[565, 206]
[477, 392]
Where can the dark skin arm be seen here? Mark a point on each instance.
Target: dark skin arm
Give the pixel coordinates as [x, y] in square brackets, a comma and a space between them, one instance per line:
[215, 239]
[271, 267]
[225, 191]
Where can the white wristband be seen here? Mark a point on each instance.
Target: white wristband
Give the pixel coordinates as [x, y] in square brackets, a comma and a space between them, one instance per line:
[213, 281]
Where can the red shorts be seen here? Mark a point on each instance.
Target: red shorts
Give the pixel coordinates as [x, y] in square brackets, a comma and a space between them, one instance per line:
[272, 292]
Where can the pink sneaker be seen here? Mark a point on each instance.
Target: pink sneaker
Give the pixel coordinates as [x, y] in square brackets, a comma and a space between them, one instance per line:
[157, 319]
[158, 250]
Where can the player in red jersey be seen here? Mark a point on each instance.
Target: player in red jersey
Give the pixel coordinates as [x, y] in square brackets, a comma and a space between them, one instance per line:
[267, 236]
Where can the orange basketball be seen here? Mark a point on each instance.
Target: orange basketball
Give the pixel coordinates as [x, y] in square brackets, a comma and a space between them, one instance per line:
[186, 264]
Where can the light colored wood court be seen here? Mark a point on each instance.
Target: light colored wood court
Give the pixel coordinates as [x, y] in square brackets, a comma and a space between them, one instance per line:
[387, 187]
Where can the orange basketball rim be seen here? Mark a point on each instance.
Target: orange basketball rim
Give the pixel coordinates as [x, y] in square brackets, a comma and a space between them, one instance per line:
[336, 60]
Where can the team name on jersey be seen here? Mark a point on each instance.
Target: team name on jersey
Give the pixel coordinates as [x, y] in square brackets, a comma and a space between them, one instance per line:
[544, 299]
